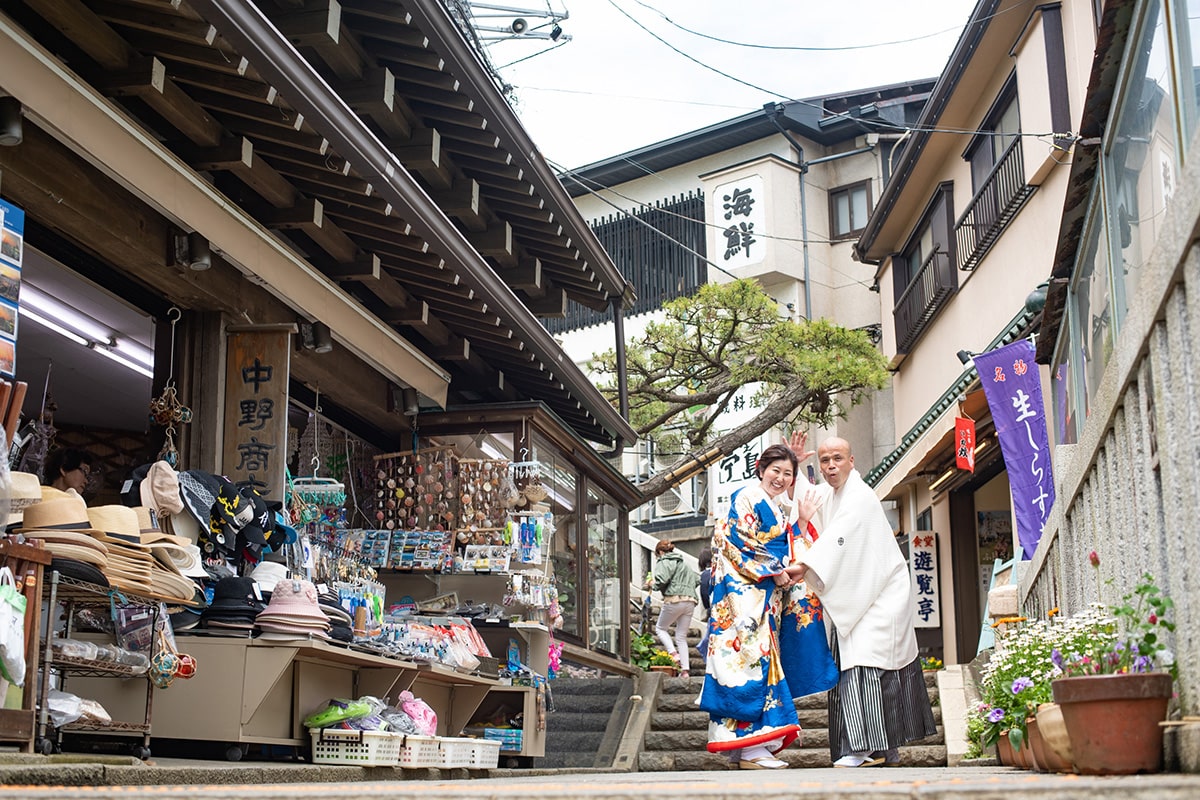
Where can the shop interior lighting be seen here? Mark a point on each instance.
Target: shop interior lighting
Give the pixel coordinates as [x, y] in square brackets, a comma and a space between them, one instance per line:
[33, 316]
[942, 479]
[135, 352]
[120, 359]
[65, 316]
[81, 329]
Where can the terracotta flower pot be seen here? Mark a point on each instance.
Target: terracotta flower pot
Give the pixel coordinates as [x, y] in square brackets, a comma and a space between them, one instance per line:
[1004, 751]
[1112, 721]
[1047, 760]
[1055, 739]
[668, 670]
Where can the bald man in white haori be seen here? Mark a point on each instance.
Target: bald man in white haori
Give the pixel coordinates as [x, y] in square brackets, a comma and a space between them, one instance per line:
[861, 577]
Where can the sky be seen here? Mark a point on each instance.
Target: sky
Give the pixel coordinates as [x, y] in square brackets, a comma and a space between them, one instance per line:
[614, 87]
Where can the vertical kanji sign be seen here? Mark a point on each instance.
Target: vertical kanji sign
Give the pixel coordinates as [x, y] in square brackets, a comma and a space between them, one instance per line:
[1014, 393]
[922, 563]
[964, 443]
[256, 399]
[739, 212]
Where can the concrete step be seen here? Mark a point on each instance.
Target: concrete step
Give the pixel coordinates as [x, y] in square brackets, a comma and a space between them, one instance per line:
[584, 703]
[562, 720]
[678, 761]
[814, 738]
[580, 686]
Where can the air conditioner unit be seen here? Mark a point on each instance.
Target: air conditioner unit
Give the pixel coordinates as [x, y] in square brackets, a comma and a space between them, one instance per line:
[676, 500]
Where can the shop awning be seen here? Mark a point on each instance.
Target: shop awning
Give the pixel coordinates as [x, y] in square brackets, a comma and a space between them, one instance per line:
[373, 145]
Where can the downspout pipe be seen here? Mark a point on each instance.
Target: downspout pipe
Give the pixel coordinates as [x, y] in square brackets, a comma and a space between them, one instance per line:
[618, 313]
[773, 110]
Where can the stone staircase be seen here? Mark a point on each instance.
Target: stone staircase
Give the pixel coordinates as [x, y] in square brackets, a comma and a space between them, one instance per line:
[583, 729]
[679, 731]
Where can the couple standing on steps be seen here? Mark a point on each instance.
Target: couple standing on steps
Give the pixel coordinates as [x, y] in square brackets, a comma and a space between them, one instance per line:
[786, 557]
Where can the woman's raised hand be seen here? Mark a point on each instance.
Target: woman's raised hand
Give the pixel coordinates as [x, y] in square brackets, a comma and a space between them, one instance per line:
[807, 505]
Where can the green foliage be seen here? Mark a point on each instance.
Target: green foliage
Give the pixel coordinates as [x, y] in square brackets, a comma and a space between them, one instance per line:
[641, 649]
[1017, 677]
[685, 369]
[1137, 642]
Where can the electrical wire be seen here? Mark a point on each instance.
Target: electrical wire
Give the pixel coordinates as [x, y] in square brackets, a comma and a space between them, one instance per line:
[879, 124]
[813, 49]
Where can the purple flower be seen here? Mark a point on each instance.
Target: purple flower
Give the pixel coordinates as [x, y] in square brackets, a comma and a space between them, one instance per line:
[1057, 658]
[1142, 664]
[1021, 683]
[995, 715]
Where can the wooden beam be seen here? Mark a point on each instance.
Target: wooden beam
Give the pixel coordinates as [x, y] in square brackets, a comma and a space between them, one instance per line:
[146, 78]
[319, 26]
[525, 276]
[402, 55]
[232, 85]
[85, 28]
[266, 113]
[460, 200]
[301, 140]
[454, 116]
[374, 96]
[497, 242]
[219, 56]
[365, 267]
[176, 26]
[236, 155]
[457, 349]
[553, 304]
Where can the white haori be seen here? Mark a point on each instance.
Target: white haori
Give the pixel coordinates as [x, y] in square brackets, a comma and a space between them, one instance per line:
[858, 571]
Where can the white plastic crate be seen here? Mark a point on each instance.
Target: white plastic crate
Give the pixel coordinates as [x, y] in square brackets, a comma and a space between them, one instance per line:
[419, 751]
[357, 748]
[487, 754]
[456, 752]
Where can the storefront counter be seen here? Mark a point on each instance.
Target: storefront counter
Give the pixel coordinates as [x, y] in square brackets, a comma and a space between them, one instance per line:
[249, 691]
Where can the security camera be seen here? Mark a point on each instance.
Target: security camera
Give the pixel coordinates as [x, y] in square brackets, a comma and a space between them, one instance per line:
[519, 25]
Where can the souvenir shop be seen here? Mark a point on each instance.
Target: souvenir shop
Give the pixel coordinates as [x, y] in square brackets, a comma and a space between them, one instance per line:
[361, 473]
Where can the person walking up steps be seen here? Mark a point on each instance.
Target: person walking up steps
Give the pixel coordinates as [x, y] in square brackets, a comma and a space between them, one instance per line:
[677, 582]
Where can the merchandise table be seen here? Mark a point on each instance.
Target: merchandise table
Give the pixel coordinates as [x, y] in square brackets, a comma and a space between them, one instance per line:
[249, 691]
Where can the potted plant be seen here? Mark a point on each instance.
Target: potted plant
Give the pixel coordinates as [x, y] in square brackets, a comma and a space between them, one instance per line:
[641, 648]
[1114, 692]
[662, 661]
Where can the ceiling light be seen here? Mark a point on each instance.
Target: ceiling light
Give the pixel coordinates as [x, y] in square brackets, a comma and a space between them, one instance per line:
[135, 351]
[11, 126]
[942, 479]
[33, 316]
[982, 445]
[125, 362]
[64, 315]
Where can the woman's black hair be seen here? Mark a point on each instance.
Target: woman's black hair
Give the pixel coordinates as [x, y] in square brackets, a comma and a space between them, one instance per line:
[776, 452]
[704, 560]
[65, 459]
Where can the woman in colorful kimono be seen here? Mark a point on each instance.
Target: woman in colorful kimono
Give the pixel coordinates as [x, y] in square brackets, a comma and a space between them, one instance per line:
[767, 641]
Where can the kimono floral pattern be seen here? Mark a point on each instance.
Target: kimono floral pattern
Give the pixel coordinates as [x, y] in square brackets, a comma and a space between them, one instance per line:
[762, 638]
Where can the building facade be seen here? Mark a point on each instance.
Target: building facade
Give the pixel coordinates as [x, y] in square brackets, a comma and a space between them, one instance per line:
[778, 196]
[1119, 335]
[960, 238]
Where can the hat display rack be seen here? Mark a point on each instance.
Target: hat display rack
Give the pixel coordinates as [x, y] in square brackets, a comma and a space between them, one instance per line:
[166, 410]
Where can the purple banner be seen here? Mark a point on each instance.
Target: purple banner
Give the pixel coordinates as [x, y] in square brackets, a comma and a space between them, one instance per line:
[1014, 393]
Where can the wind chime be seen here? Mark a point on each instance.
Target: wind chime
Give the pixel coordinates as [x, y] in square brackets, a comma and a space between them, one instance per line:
[166, 410]
[313, 494]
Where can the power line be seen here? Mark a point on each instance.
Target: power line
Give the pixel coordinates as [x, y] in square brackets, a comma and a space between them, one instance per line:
[804, 48]
[879, 124]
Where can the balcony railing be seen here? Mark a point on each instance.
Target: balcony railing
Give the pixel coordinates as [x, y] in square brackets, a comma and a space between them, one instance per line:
[926, 293]
[999, 199]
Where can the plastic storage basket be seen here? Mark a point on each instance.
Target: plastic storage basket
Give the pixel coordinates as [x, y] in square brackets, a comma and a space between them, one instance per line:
[487, 754]
[456, 752]
[419, 751]
[509, 738]
[359, 748]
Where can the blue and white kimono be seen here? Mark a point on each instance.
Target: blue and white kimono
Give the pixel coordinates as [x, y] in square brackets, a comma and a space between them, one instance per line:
[766, 645]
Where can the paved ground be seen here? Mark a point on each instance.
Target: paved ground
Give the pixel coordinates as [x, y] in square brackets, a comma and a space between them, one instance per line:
[176, 779]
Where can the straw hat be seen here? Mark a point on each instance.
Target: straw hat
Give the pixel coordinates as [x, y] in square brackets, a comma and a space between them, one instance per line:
[66, 512]
[117, 524]
[184, 560]
[24, 490]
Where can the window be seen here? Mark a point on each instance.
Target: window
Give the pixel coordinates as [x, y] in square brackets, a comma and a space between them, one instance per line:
[1000, 129]
[923, 273]
[849, 207]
